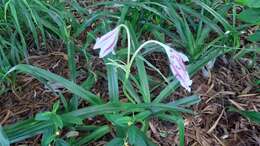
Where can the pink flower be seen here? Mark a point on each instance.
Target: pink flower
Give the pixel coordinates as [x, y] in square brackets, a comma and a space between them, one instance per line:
[178, 67]
[107, 42]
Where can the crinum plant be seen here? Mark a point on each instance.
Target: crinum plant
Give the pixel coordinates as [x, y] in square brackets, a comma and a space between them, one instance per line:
[130, 120]
[107, 44]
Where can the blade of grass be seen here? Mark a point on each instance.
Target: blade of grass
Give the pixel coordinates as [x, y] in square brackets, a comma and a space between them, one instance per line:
[88, 21]
[142, 75]
[43, 74]
[112, 79]
[71, 59]
[180, 123]
[183, 102]
[29, 20]
[215, 14]
[30, 127]
[95, 135]
[112, 74]
[18, 28]
[3, 138]
[128, 88]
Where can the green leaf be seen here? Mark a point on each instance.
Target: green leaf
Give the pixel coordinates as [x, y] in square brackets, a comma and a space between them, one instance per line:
[56, 106]
[64, 102]
[218, 16]
[88, 21]
[18, 28]
[50, 116]
[57, 120]
[3, 138]
[132, 135]
[61, 142]
[255, 37]
[71, 59]
[116, 142]
[128, 88]
[72, 120]
[48, 140]
[43, 74]
[31, 127]
[98, 133]
[119, 120]
[142, 75]
[251, 115]
[251, 16]
[43, 116]
[249, 3]
[257, 82]
[29, 21]
[159, 36]
[135, 137]
[176, 118]
[48, 137]
[89, 82]
[187, 101]
[112, 79]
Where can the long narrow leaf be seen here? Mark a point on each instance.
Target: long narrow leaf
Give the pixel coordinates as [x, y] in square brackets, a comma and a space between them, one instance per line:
[43, 74]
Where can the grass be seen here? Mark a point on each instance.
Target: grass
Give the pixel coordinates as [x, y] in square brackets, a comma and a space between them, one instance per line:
[198, 28]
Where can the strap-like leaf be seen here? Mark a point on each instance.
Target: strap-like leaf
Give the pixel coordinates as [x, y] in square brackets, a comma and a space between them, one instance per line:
[3, 138]
[43, 74]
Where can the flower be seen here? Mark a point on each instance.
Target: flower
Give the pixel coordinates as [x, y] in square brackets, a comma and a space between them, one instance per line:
[107, 42]
[178, 67]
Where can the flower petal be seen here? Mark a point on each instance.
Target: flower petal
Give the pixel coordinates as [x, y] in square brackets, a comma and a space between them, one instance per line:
[108, 47]
[97, 44]
[184, 57]
[107, 42]
[178, 67]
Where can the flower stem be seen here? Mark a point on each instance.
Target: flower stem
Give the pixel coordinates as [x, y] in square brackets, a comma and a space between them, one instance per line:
[128, 41]
[129, 64]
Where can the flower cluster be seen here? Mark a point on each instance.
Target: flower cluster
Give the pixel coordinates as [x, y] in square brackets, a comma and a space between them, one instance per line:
[107, 44]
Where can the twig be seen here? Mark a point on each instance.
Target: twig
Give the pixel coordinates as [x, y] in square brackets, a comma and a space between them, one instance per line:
[216, 123]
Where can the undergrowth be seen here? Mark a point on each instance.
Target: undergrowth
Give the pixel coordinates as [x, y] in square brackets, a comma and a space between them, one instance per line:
[203, 30]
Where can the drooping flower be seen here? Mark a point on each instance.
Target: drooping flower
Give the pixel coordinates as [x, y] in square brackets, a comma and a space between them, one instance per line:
[107, 42]
[178, 67]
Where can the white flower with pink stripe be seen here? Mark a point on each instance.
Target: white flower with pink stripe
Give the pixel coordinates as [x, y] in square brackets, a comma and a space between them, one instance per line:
[178, 67]
[107, 44]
